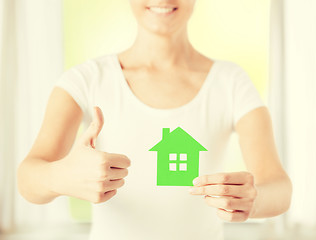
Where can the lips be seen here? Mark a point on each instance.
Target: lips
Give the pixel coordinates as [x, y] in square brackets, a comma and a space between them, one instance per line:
[165, 10]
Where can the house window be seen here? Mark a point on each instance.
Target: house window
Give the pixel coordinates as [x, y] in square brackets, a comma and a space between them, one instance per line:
[172, 167]
[172, 156]
[183, 157]
[183, 167]
[176, 166]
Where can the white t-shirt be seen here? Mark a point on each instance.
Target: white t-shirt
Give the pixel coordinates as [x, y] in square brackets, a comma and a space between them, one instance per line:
[141, 210]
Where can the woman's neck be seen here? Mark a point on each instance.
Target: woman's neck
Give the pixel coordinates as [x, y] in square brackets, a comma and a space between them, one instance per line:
[160, 51]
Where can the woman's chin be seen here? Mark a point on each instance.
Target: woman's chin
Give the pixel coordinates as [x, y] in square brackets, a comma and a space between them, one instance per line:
[160, 30]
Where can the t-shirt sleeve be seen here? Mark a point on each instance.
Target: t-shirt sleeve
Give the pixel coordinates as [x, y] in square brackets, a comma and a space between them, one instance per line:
[74, 84]
[76, 81]
[245, 95]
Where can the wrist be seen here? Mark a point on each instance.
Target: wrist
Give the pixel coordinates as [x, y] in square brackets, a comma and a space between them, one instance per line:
[254, 209]
[55, 174]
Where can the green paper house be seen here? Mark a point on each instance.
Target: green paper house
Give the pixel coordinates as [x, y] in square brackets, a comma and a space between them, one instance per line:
[177, 158]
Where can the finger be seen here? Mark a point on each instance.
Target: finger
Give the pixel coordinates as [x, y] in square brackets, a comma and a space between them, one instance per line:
[117, 173]
[224, 178]
[118, 161]
[222, 190]
[229, 203]
[113, 184]
[89, 137]
[232, 216]
[104, 196]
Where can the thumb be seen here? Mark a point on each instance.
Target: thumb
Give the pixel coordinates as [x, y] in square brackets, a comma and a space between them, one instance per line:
[90, 135]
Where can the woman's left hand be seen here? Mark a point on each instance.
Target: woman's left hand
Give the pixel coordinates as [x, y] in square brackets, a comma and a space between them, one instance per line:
[233, 194]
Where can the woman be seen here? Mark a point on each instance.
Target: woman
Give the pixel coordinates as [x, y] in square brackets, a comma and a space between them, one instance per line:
[160, 83]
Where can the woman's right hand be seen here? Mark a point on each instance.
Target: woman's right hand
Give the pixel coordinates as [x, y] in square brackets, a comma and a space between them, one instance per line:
[87, 173]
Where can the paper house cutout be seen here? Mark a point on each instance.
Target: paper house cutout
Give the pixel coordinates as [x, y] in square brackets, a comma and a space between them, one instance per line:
[177, 158]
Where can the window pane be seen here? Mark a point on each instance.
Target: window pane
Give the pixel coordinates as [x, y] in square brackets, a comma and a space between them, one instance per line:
[183, 156]
[183, 166]
[172, 156]
[172, 167]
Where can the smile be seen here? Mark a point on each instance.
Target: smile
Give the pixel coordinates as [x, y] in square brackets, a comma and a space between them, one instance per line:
[162, 10]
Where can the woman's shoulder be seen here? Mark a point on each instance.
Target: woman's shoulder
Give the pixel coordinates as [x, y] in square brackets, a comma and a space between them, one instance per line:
[104, 61]
[94, 65]
[87, 72]
[229, 70]
[228, 66]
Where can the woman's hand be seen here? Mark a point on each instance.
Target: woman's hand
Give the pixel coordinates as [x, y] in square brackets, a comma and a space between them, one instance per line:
[233, 194]
[87, 173]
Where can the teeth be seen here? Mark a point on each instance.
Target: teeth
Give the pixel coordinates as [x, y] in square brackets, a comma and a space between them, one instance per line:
[161, 10]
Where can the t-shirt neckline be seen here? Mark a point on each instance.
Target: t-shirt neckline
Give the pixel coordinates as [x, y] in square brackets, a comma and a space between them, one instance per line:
[159, 111]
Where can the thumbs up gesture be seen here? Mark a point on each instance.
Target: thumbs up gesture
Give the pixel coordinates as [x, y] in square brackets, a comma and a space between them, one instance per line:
[90, 174]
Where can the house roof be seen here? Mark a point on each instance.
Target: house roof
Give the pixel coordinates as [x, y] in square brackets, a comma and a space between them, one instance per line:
[177, 140]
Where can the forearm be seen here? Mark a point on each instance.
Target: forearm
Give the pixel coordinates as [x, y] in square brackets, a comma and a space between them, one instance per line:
[273, 198]
[35, 180]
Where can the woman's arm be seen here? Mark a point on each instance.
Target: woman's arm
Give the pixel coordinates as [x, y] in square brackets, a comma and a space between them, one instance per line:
[55, 166]
[35, 177]
[256, 139]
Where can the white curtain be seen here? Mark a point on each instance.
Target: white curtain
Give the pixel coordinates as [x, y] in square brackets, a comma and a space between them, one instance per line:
[300, 83]
[31, 60]
[293, 102]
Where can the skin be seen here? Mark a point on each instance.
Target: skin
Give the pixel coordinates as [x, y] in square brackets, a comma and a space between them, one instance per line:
[164, 71]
